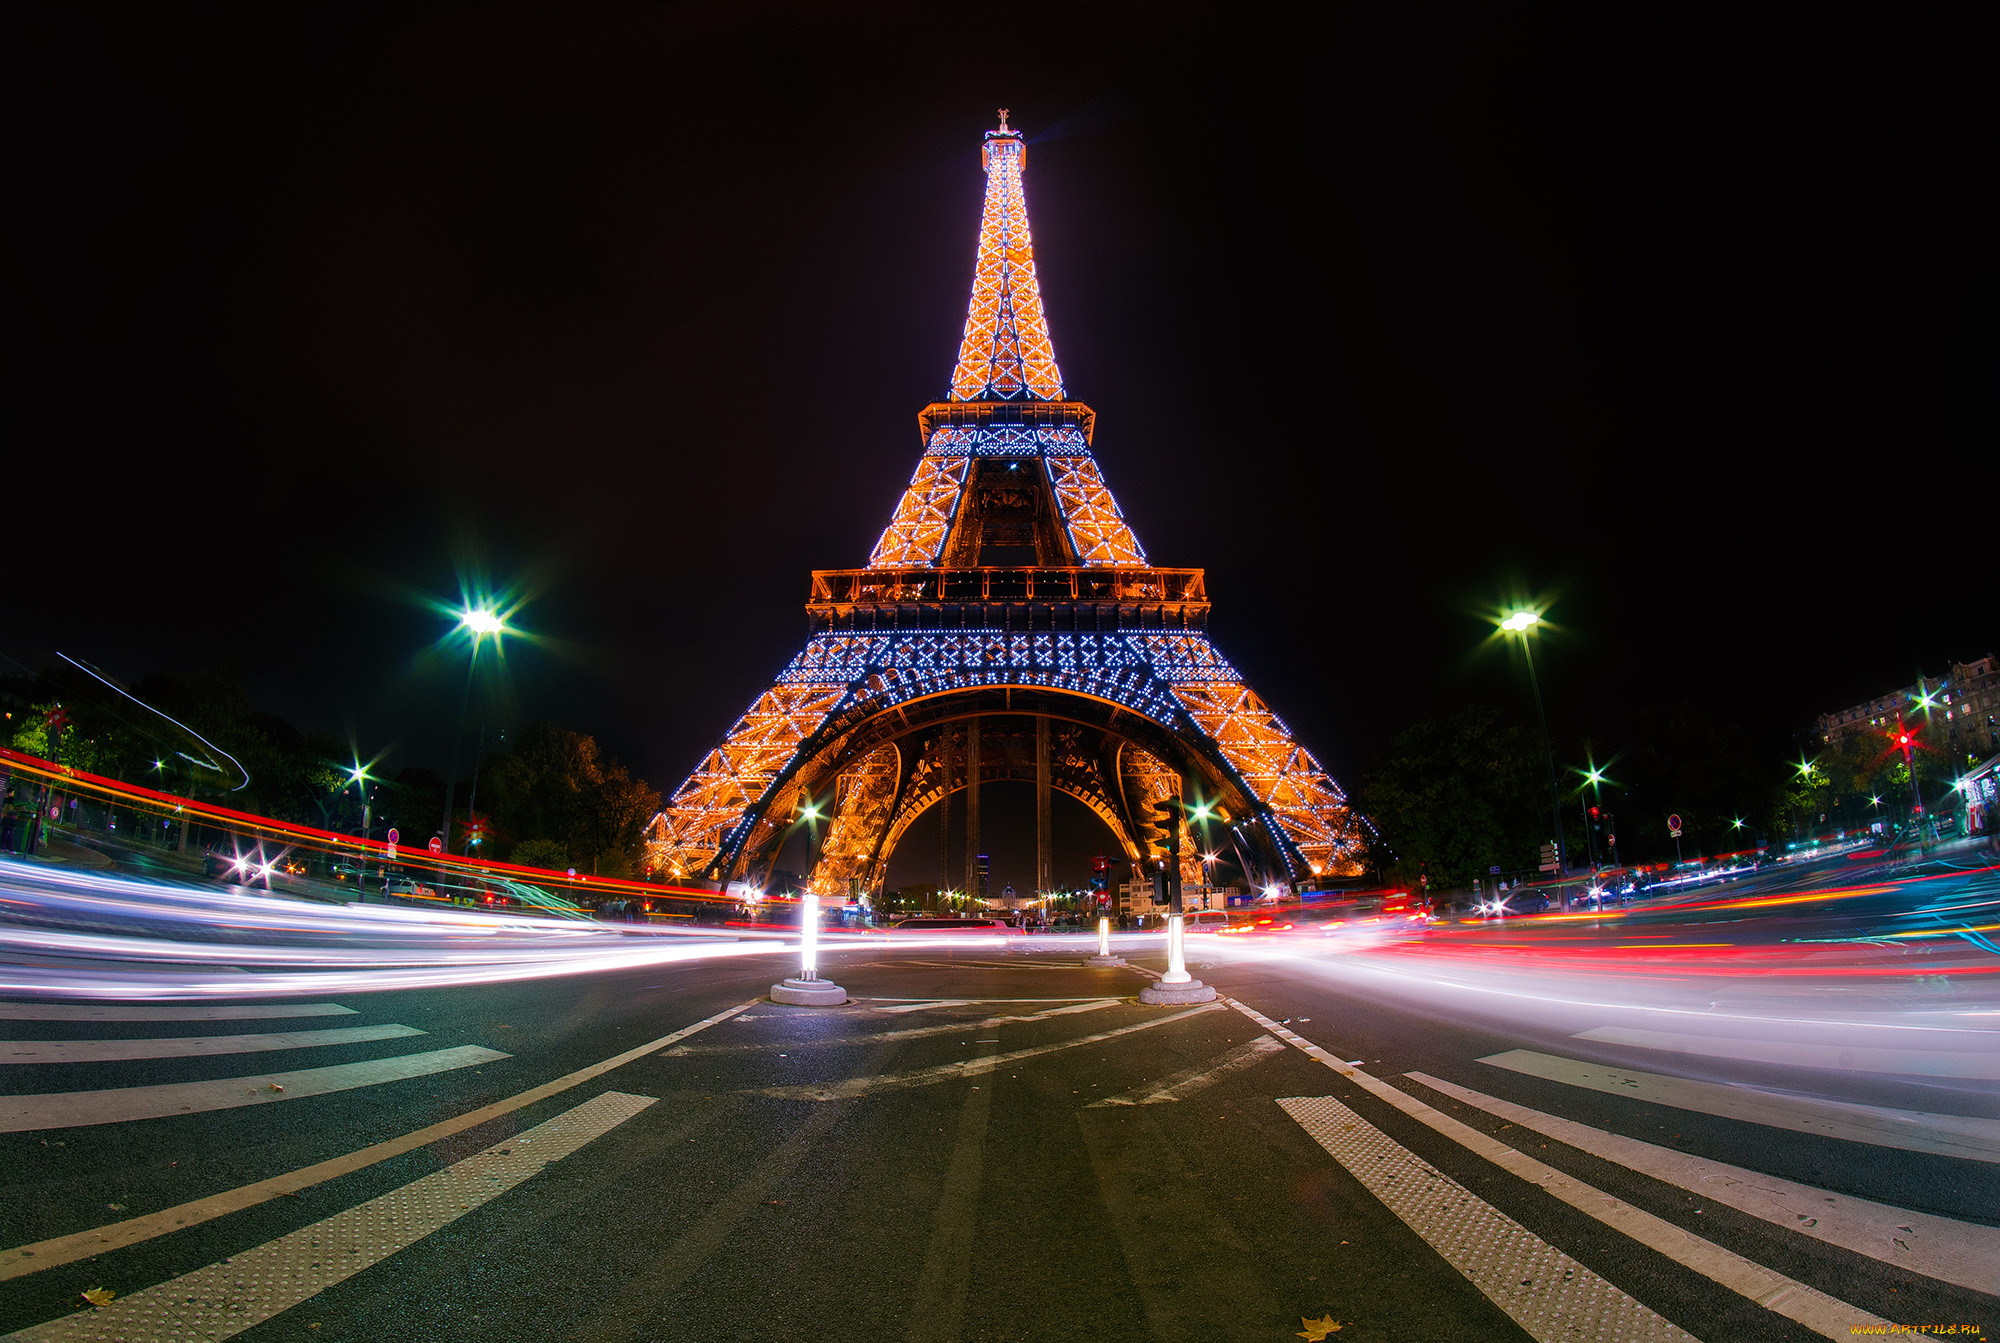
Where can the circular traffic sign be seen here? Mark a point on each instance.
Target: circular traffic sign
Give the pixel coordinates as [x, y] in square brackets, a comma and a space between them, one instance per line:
[437, 845]
[394, 836]
[1673, 822]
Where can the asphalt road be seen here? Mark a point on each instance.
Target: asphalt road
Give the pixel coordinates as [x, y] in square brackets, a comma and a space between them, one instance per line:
[1001, 1144]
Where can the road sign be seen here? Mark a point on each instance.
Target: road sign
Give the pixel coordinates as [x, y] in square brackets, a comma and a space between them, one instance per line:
[1550, 862]
[437, 845]
[393, 837]
[1674, 825]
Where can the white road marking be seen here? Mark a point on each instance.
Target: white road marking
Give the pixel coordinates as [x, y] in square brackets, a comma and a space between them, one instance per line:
[1823, 1314]
[1983, 1065]
[26, 1259]
[118, 1012]
[1187, 1081]
[1880, 1126]
[923, 1077]
[246, 1289]
[934, 1002]
[1937, 1247]
[1547, 1293]
[925, 1006]
[907, 1033]
[189, 1046]
[74, 1109]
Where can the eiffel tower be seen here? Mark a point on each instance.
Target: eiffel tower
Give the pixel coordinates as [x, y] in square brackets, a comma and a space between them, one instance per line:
[1008, 626]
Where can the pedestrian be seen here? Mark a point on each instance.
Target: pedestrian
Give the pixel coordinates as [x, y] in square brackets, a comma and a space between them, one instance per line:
[8, 821]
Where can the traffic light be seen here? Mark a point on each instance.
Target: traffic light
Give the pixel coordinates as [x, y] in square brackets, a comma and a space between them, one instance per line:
[1166, 814]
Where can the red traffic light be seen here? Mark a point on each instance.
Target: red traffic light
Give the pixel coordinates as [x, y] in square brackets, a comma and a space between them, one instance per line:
[1593, 811]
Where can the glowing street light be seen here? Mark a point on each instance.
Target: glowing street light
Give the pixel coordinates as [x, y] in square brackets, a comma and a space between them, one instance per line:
[482, 622]
[1519, 623]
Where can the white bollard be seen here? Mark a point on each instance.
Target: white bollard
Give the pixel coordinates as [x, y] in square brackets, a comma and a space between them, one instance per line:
[1104, 956]
[808, 990]
[1176, 951]
[809, 938]
[1176, 986]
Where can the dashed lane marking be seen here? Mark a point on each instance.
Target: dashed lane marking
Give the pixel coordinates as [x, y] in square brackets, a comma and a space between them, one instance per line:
[190, 1046]
[246, 1289]
[1823, 1314]
[119, 1012]
[49, 1253]
[1910, 1130]
[907, 1033]
[923, 1077]
[1937, 1247]
[76, 1109]
[1178, 1086]
[1981, 1065]
[1543, 1290]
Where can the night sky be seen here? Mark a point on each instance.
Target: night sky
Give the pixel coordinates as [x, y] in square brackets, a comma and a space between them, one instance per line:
[1684, 325]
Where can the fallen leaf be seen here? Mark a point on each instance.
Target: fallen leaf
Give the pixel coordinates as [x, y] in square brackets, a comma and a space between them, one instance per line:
[98, 1296]
[116, 1207]
[276, 1087]
[1317, 1330]
[774, 1203]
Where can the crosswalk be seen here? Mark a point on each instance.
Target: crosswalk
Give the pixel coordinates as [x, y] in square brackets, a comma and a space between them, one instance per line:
[1551, 1297]
[119, 1104]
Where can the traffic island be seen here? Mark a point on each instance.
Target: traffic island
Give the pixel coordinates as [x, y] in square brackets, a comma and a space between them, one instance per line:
[1164, 994]
[1104, 958]
[1176, 985]
[806, 988]
[818, 993]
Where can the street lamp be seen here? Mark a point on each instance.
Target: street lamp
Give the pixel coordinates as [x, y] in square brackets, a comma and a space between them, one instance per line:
[482, 623]
[1520, 623]
[810, 813]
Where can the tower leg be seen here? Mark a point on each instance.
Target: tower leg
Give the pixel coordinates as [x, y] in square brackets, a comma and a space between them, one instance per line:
[971, 808]
[1044, 855]
[944, 840]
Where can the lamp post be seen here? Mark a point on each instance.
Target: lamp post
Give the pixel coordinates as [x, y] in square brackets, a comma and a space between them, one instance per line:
[1520, 623]
[481, 622]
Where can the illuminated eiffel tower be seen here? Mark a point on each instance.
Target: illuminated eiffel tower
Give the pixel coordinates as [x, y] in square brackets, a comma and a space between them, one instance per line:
[1008, 627]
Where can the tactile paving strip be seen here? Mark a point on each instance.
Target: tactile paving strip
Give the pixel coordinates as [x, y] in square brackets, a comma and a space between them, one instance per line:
[246, 1289]
[1545, 1291]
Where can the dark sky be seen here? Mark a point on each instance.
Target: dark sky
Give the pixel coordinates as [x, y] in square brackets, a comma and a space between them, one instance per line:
[1684, 324]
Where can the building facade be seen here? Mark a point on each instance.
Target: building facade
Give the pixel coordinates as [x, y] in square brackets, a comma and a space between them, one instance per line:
[1958, 713]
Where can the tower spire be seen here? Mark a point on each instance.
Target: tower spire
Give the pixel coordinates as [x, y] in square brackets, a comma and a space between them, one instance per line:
[1006, 353]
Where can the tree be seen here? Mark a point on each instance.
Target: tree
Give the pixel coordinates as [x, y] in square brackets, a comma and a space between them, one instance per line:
[556, 785]
[1461, 794]
[540, 853]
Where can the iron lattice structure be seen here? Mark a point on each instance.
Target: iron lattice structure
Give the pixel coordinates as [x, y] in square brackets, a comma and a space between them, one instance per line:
[1008, 626]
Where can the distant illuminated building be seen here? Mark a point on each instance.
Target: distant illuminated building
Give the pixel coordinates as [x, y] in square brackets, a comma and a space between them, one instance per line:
[1008, 626]
[1961, 710]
